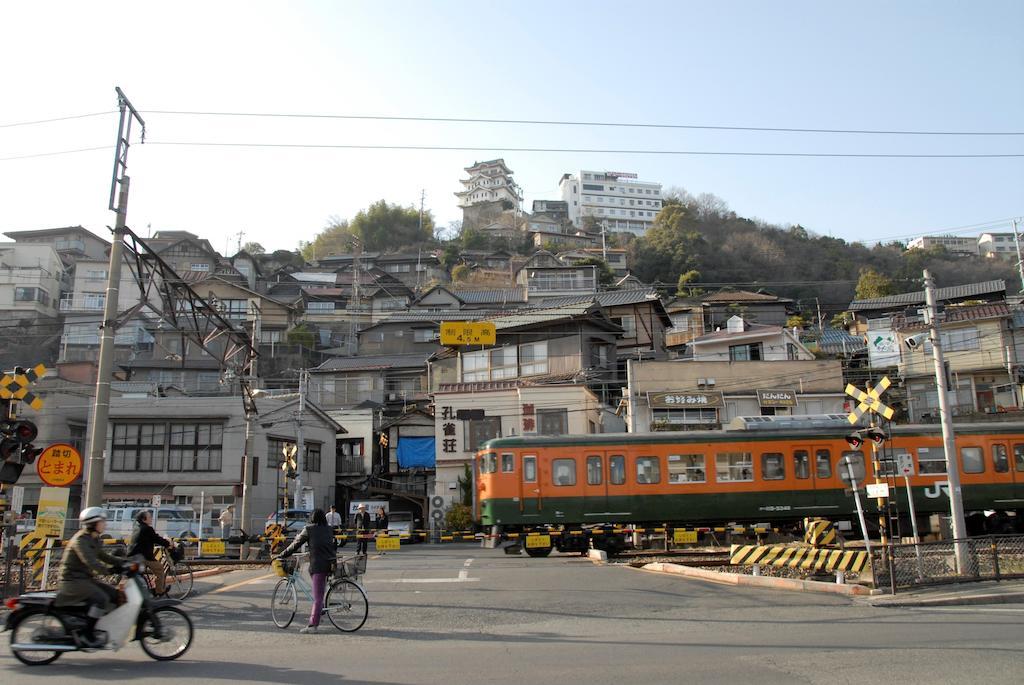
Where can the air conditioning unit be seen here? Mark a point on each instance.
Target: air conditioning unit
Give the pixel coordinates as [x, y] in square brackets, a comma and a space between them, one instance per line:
[392, 397]
[710, 382]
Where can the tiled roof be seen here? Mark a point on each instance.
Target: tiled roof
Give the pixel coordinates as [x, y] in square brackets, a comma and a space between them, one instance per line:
[956, 292]
[374, 362]
[752, 329]
[608, 298]
[315, 276]
[577, 376]
[530, 317]
[996, 310]
[839, 341]
[491, 296]
[742, 296]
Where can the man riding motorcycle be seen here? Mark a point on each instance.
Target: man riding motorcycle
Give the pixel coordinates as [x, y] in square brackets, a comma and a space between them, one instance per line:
[83, 561]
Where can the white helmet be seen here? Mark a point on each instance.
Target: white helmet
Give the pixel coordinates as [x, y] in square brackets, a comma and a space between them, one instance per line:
[92, 515]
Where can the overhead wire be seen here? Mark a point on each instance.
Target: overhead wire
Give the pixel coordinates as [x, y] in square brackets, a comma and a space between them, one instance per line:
[56, 119]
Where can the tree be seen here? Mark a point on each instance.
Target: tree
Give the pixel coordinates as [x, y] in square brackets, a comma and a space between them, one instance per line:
[383, 226]
[872, 284]
[253, 248]
[336, 238]
[303, 336]
[683, 288]
[460, 273]
[605, 275]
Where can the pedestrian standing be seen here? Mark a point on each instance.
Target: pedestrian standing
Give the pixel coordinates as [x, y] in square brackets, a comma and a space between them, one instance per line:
[382, 522]
[362, 529]
[334, 518]
[319, 538]
[227, 517]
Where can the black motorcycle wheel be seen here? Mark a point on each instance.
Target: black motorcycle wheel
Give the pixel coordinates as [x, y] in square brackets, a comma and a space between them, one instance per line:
[30, 626]
[165, 633]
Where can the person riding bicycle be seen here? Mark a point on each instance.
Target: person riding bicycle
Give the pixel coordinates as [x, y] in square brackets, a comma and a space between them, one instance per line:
[83, 561]
[144, 541]
[322, 557]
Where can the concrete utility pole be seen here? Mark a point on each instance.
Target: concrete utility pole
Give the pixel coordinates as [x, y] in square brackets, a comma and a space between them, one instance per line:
[250, 418]
[300, 442]
[105, 367]
[956, 503]
[1020, 263]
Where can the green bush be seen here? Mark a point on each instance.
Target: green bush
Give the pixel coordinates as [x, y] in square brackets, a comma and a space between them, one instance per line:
[458, 517]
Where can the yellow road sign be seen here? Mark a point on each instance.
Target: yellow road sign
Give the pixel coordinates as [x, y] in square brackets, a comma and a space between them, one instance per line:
[538, 541]
[386, 543]
[213, 547]
[15, 387]
[683, 537]
[869, 401]
[468, 333]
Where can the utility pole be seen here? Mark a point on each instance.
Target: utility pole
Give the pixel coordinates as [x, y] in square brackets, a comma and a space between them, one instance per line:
[1020, 264]
[249, 404]
[821, 319]
[353, 328]
[956, 504]
[105, 367]
[300, 443]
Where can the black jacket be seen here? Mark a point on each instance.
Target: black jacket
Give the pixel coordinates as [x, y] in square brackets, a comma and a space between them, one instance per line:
[144, 540]
[322, 547]
[382, 522]
[362, 520]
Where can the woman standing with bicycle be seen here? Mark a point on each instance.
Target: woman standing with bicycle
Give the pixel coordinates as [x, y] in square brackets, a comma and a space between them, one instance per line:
[322, 550]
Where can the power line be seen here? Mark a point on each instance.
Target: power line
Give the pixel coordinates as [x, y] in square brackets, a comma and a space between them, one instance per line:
[58, 152]
[462, 148]
[547, 122]
[55, 119]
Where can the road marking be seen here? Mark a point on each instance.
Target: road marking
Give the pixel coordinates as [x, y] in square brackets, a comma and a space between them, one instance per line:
[969, 609]
[244, 582]
[460, 579]
[464, 573]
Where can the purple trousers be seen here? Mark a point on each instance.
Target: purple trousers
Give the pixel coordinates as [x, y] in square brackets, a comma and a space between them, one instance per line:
[319, 586]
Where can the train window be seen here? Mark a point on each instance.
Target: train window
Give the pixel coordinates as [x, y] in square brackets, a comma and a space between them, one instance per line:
[489, 463]
[972, 459]
[529, 469]
[563, 472]
[1018, 458]
[508, 463]
[648, 470]
[856, 462]
[734, 466]
[801, 464]
[686, 468]
[617, 469]
[999, 461]
[822, 464]
[931, 460]
[773, 467]
[594, 476]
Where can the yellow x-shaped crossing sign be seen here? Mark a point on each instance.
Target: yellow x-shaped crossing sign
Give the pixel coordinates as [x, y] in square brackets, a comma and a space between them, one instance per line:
[870, 400]
[15, 387]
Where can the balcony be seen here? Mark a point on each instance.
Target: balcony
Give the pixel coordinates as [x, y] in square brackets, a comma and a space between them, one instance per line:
[349, 465]
[82, 302]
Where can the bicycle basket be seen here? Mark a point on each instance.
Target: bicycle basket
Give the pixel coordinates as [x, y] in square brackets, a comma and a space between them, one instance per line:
[177, 553]
[352, 567]
[283, 567]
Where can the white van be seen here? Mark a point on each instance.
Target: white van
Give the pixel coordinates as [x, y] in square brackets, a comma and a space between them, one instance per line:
[171, 522]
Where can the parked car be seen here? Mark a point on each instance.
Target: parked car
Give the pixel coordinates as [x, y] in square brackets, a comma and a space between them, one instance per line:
[171, 521]
[401, 522]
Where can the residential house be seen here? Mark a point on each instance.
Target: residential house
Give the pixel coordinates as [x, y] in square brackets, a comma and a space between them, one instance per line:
[544, 277]
[952, 243]
[687, 316]
[997, 245]
[417, 270]
[744, 341]
[983, 347]
[31, 278]
[556, 209]
[71, 242]
[343, 382]
[757, 307]
[986, 291]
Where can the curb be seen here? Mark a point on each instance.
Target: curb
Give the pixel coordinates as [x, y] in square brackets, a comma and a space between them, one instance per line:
[758, 581]
[968, 600]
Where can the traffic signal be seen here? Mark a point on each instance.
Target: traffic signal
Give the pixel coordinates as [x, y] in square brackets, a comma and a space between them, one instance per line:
[857, 438]
[16, 448]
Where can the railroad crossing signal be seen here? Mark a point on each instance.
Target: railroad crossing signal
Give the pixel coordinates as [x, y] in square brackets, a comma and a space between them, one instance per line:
[289, 464]
[869, 401]
[15, 386]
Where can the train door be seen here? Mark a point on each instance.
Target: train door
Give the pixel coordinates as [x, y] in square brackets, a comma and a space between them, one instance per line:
[827, 495]
[1006, 459]
[529, 482]
[595, 486]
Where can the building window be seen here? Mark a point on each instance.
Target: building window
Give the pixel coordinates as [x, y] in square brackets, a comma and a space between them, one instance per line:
[320, 307]
[563, 472]
[854, 461]
[270, 337]
[791, 352]
[31, 295]
[423, 335]
[533, 358]
[931, 460]
[628, 324]
[479, 431]
[234, 309]
[772, 466]
[138, 447]
[275, 451]
[255, 471]
[686, 417]
[686, 468]
[734, 467]
[489, 365]
[745, 353]
[195, 447]
[648, 470]
[553, 421]
[311, 464]
[96, 274]
[199, 267]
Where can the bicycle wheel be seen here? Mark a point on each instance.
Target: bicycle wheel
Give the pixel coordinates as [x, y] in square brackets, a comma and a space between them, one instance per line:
[166, 633]
[180, 580]
[284, 603]
[346, 606]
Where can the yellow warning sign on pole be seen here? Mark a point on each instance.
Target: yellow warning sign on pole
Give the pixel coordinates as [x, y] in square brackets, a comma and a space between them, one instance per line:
[468, 333]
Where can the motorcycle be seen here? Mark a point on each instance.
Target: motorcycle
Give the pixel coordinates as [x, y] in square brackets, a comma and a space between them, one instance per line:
[41, 632]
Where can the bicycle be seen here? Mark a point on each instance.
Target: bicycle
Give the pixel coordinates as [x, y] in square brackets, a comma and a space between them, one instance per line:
[178, 576]
[345, 602]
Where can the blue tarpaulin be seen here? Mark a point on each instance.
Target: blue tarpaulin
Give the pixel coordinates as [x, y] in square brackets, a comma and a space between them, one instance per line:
[414, 452]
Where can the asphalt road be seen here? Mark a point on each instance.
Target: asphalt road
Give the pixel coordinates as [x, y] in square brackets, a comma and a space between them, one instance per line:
[461, 614]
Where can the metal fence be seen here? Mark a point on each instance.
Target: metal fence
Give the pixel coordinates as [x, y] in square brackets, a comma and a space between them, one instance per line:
[995, 557]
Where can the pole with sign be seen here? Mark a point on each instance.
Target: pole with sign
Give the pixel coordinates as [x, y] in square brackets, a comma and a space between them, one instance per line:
[856, 497]
[52, 512]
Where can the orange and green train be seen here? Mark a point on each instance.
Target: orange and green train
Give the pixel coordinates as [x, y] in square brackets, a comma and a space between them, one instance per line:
[698, 478]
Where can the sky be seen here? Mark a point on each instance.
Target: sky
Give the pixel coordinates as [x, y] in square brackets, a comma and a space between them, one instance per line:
[922, 66]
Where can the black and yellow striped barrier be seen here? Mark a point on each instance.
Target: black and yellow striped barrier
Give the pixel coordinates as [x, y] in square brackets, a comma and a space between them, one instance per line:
[806, 558]
[33, 549]
[819, 532]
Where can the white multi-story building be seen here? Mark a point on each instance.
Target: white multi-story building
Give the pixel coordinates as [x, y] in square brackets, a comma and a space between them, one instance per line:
[616, 199]
[952, 243]
[31, 278]
[1000, 245]
[489, 181]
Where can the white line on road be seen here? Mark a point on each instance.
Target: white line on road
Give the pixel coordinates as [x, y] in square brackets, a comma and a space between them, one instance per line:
[974, 608]
[464, 573]
[226, 588]
[460, 579]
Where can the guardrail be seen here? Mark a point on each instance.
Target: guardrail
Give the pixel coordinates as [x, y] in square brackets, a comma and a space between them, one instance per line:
[994, 557]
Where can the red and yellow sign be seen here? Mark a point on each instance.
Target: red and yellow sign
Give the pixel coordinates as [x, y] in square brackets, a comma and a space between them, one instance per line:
[59, 465]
